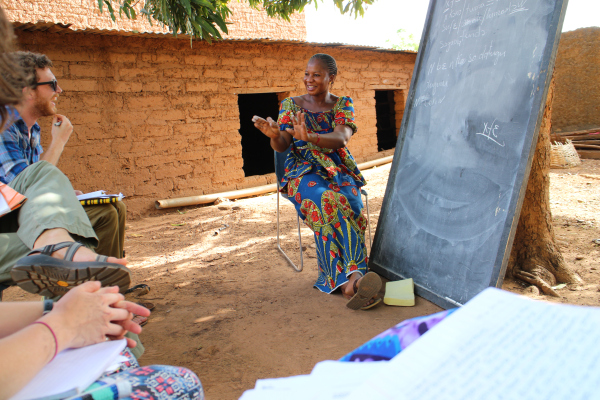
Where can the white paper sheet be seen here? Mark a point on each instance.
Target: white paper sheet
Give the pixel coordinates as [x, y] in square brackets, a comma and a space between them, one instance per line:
[4, 207]
[498, 346]
[72, 369]
[99, 194]
[328, 380]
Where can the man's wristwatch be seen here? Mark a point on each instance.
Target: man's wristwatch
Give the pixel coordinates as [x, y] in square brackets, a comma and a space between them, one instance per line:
[48, 304]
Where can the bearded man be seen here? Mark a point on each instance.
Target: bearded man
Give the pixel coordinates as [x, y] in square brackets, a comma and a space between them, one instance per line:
[20, 146]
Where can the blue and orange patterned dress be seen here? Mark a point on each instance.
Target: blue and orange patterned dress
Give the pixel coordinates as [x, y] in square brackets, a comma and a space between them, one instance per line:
[324, 186]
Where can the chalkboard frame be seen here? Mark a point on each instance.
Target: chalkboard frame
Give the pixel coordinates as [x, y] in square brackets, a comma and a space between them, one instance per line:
[516, 201]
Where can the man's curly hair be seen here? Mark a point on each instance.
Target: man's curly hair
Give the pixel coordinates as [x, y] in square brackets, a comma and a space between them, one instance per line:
[30, 63]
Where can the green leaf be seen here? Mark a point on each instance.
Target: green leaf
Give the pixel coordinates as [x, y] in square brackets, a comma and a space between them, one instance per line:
[187, 5]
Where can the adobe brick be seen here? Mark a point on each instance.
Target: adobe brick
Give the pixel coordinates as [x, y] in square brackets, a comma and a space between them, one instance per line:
[219, 73]
[231, 125]
[68, 56]
[144, 162]
[355, 85]
[85, 118]
[187, 100]
[146, 189]
[127, 117]
[129, 73]
[183, 73]
[263, 62]
[79, 85]
[189, 128]
[235, 62]
[94, 71]
[200, 113]
[200, 60]
[167, 58]
[121, 87]
[171, 172]
[153, 102]
[232, 151]
[151, 87]
[201, 86]
[119, 58]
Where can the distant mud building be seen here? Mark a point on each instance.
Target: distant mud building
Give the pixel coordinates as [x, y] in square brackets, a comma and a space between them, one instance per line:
[157, 118]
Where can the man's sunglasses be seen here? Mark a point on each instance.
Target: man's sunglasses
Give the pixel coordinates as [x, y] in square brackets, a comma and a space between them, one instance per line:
[53, 84]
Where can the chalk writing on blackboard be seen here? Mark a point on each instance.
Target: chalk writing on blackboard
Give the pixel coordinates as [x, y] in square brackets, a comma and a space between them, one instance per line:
[490, 131]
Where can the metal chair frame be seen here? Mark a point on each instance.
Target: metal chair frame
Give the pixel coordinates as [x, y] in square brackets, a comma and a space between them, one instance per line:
[362, 191]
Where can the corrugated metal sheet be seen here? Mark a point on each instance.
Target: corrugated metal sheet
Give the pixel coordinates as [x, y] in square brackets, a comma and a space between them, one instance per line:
[62, 28]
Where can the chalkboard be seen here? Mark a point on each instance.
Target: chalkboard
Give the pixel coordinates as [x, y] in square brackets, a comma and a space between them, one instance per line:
[466, 145]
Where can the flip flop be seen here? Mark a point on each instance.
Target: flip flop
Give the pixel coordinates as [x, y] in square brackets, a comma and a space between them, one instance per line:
[373, 304]
[148, 305]
[142, 287]
[369, 286]
[138, 319]
[51, 277]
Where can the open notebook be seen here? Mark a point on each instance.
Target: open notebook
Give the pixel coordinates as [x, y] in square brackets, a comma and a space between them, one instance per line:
[72, 371]
[497, 346]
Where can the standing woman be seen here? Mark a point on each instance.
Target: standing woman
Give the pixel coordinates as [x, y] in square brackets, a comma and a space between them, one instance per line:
[323, 181]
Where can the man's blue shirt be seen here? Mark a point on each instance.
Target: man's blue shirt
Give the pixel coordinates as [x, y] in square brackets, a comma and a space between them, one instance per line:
[16, 151]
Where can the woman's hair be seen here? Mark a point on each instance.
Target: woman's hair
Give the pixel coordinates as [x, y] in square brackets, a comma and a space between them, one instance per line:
[328, 61]
[12, 80]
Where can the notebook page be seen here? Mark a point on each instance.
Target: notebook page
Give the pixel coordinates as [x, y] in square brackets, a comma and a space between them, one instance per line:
[72, 368]
[498, 346]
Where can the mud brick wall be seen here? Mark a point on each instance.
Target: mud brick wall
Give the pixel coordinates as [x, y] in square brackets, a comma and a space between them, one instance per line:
[246, 22]
[576, 103]
[157, 119]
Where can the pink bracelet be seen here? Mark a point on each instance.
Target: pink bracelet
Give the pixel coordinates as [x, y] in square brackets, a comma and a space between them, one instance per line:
[318, 138]
[53, 335]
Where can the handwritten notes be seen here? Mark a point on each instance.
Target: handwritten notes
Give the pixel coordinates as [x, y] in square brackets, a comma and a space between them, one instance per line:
[498, 346]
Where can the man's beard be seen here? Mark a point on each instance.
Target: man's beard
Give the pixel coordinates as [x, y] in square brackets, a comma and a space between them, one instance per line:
[44, 108]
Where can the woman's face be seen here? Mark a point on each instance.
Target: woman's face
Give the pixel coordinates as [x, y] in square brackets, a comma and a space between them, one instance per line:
[316, 78]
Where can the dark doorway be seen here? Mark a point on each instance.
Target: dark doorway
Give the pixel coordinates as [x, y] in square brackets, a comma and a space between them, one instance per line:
[256, 149]
[385, 109]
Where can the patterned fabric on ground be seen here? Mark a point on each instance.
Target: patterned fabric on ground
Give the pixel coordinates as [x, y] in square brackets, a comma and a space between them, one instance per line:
[388, 344]
[131, 381]
[324, 186]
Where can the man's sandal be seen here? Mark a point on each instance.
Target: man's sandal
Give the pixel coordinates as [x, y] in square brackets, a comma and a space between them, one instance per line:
[365, 291]
[48, 276]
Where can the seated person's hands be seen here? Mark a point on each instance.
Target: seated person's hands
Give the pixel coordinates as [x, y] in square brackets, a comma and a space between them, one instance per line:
[269, 127]
[88, 314]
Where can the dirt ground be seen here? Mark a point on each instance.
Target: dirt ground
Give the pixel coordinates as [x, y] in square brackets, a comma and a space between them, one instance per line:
[230, 308]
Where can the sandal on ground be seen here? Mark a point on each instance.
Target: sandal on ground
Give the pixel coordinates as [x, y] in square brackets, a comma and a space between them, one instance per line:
[148, 305]
[367, 289]
[142, 287]
[138, 319]
[48, 276]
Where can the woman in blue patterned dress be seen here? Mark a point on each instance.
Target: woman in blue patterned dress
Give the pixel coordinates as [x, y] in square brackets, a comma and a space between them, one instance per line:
[323, 181]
